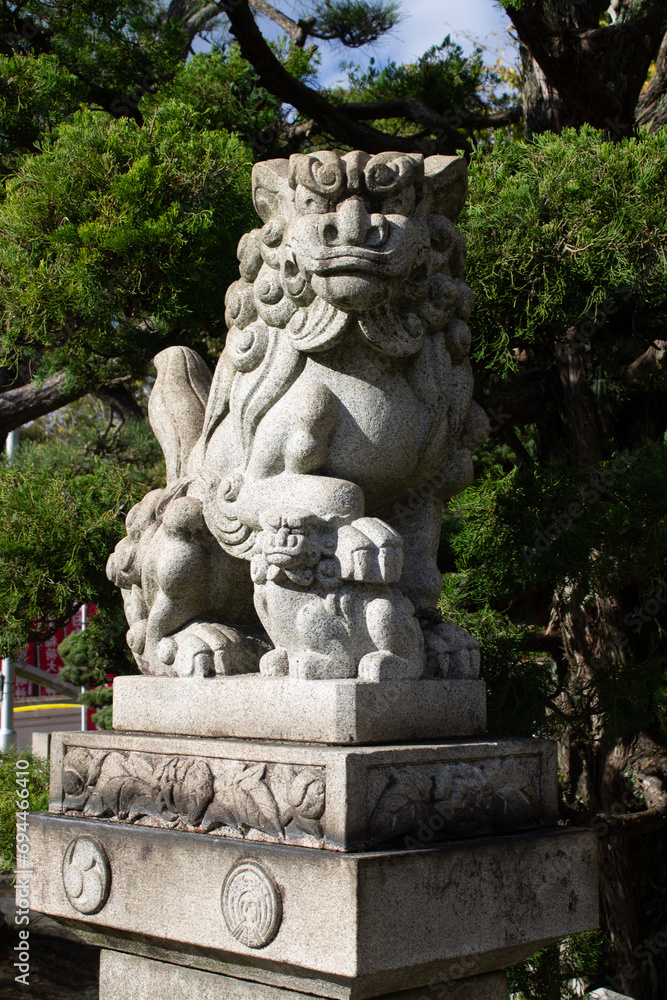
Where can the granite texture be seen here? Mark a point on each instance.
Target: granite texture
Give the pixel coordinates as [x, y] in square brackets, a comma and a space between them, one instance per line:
[299, 527]
[603, 994]
[377, 921]
[125, 976]
[337, 798]
[286, 708]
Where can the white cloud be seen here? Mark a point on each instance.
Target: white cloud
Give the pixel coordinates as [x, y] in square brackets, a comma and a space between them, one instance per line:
[426, 23]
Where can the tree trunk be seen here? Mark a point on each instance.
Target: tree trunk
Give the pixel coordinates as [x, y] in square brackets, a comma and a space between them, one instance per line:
[542, 107]
[619, 789]
[577, 71]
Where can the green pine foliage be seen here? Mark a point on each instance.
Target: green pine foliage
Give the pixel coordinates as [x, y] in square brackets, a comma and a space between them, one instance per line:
[556, 972]
[355, 22]
[443, 78]
[558, 228]
[120, 238]
[567, 236]
[62, 511]
[122, 48]
[37, 774]
[36, 95]
[221, 87]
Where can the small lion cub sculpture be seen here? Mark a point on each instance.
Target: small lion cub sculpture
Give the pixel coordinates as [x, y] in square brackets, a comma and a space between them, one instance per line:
[298, 531]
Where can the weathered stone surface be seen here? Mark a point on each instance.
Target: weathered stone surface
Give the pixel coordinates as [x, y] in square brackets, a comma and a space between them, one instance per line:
[309, 472]
[339, 798]
[285, 708]
[131, 977]
[379, 921]
[603, 994]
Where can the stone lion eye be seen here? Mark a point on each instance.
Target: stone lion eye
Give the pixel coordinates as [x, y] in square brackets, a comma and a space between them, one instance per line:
[402, 203]
[309, 203]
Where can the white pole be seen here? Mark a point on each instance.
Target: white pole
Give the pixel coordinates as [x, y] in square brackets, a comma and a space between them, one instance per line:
[84, 710]
[7, 732]
[12, 443]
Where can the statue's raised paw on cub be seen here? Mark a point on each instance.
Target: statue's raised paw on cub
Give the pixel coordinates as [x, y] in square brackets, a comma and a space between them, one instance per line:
[298, 530]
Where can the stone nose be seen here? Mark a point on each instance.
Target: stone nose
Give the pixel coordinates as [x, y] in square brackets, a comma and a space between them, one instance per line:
[351, 225]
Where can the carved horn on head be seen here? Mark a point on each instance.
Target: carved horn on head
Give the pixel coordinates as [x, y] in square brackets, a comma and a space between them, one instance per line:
[446, 182]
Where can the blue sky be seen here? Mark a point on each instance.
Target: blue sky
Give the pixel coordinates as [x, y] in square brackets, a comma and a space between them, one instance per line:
[426, 23]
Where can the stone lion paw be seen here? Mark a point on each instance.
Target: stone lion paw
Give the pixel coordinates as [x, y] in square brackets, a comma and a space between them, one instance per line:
[450, 651]
[203, 649]
[369, 550]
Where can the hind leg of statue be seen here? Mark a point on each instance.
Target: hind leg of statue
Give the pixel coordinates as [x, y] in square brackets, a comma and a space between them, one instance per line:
[190, 615]
[193, 624]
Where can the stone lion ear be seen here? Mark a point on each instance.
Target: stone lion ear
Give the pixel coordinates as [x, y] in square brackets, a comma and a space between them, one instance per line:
[446, 184]
[269, 187]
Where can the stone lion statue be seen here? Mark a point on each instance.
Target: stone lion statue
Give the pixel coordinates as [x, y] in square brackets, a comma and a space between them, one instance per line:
[298, 531]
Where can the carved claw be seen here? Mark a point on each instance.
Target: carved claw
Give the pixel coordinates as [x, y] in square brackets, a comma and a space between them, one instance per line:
[370, 551]
[203, 649]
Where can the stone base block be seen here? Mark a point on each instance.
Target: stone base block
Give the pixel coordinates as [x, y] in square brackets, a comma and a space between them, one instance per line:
[132, 977]
[252, 706]
[342, 925]
[334, 797]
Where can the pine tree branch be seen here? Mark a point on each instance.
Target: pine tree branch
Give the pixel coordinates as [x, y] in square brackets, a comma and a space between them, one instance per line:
[284, 22]
[421, 114]
[27, 402]
[336, 120]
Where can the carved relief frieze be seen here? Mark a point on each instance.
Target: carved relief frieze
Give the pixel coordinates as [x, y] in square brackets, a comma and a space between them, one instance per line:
[252, 800]
[424, 803]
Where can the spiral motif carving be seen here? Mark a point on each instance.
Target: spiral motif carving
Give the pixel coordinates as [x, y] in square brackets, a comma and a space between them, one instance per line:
[251, 905]
[86, 875]
[388, 172]
[321, 173]
[246, 348]
[240, 305]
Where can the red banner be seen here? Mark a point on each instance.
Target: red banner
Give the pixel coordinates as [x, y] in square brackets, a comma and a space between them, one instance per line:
[44, 656]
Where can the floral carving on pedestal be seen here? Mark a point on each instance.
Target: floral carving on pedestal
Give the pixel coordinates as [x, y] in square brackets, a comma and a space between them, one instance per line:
[452, 800]
[192, 793]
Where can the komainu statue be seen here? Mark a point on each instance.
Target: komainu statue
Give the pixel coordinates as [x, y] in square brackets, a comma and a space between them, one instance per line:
[298, 530]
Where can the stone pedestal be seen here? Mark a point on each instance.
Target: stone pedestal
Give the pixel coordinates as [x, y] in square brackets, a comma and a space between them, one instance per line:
[228, 868]
[287, 708]
[124, 977]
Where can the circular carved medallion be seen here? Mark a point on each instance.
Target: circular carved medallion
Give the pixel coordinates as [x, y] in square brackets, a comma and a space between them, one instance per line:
[251, 904]
[86, 875]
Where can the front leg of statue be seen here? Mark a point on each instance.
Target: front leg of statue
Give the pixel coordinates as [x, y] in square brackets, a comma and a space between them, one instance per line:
[450, 650]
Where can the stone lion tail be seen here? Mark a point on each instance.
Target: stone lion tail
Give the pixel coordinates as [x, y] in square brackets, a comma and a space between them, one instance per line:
[177, 405]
